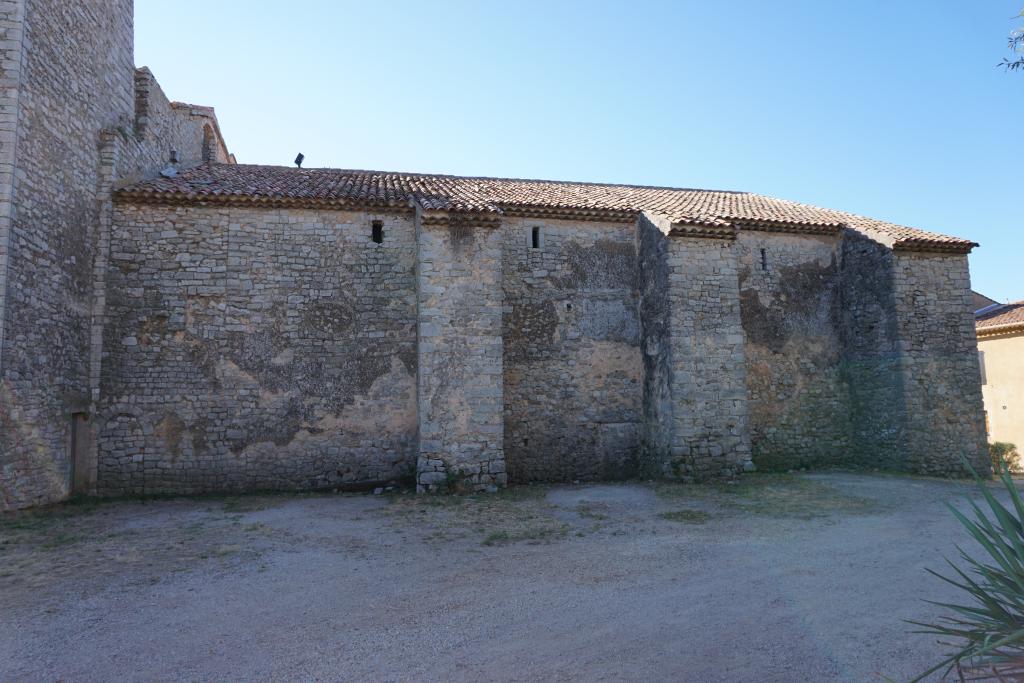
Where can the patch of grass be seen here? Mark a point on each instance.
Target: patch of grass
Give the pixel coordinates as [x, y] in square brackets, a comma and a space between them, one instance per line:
[534, 534]
[46, 528]
[489, 501]
[241, 504]
[776, 495]
[587, 511]
[685, 516]
[522, 492]
[496, 537]
[518, 513]
[60, 539]
[43, 519]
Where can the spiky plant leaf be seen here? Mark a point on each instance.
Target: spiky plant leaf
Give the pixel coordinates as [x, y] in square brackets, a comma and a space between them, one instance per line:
[987, 633]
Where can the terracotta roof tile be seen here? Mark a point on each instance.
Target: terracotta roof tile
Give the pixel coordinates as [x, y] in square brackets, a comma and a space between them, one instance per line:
[1001, 317]
[278, 185]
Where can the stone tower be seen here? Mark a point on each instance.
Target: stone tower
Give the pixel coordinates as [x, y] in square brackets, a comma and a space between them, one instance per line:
[75, 116]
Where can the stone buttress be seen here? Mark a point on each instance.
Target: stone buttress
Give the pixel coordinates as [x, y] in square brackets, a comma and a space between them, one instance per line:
[460, 352]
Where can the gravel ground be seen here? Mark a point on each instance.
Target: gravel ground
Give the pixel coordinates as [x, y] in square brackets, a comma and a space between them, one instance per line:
[778, 578]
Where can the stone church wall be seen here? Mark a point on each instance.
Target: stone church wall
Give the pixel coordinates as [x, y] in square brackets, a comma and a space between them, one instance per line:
[257, 349]
[710, 436]
[160, 126]
[573, 371]
[199, 348]
[268, 348]
[871, 355]
[655, 345]
[791, 311]
[939, 371]
[460, 356]
[75, 79]
[71, 88]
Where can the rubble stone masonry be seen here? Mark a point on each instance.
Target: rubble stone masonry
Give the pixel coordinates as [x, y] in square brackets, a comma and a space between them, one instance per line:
[939, 369]
[709, 431]
[256, 349]
[460, 355]
[573, 371]
[264, 340]
[790, 307]
[67, 118]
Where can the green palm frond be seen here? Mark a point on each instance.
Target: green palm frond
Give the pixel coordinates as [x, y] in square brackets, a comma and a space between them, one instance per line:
[986, 633]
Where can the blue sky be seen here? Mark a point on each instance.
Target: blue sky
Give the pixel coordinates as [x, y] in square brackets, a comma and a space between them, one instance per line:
[894, 110]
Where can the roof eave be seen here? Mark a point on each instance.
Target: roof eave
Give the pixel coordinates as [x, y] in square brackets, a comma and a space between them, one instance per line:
[999, 330]
[934, 246]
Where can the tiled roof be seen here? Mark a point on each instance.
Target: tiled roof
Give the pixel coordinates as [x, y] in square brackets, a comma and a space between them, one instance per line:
[710, 209]
[1006, 317]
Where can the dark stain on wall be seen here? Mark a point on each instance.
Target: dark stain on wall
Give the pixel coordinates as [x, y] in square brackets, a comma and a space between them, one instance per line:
[572, 366]
[531, 330]
[287, 361]
[791, 315]
[804, 300]
[170, 430]
[871, 367]
[607, 264]
[655, 343]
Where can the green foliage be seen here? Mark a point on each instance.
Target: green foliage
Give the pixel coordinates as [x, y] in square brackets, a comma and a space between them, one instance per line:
[453, 482]
[1004, 457]
[988, 631]
[685, 516]
[530, 534]
[1016, 44]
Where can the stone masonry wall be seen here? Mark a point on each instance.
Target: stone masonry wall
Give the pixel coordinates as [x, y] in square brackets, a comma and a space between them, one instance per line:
[75, 79]
[573, 372]
[257, 349]
[284, 349]
[870, 357]
[941, 380]
[656, 346]
[23, 478]
[460, 356]
[791, 311]
[710, 437]
[67, 70]
[161, 126]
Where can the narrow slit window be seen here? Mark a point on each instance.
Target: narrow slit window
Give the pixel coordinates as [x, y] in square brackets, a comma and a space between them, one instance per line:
[535, 237]
[377, 233]
[764, 260]
[981, 366]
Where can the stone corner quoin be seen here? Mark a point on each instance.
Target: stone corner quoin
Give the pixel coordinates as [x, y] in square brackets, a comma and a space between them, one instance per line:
[171, 322]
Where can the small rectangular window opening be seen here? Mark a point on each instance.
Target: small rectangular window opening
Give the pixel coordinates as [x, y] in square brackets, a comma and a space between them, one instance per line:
[535, 237]
[378, 232]
[981, 365]
[764, 260]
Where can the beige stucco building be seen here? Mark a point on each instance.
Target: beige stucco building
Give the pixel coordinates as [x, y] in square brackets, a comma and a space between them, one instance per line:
[1001, 348]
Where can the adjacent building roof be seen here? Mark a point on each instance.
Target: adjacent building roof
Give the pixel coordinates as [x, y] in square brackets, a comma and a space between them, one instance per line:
[711, 211]
[1000, 319]
[980, 301]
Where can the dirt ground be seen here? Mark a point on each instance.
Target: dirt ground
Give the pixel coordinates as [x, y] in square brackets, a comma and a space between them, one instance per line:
[778, 578]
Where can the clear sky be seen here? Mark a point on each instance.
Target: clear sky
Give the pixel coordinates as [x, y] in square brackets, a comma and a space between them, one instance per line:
[892, 109]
